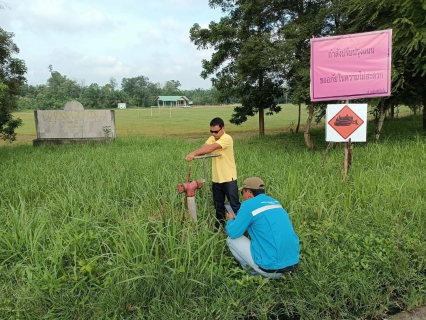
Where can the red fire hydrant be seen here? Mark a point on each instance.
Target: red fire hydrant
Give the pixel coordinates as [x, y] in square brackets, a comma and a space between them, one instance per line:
[189, 189]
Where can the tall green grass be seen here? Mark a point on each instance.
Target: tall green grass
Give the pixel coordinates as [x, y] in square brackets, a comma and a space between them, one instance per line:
[96, 231]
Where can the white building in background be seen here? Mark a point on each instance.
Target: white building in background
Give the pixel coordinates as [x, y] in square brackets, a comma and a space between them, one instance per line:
[121, 106]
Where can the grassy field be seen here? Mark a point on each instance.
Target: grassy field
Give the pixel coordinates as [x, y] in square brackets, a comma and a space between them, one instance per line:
[189, 123]
[96, 231]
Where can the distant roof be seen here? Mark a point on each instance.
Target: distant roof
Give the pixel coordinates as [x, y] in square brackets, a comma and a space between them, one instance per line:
[171, 98]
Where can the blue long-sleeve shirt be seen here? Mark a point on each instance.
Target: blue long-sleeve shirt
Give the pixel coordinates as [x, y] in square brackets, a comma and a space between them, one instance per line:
[274, 244]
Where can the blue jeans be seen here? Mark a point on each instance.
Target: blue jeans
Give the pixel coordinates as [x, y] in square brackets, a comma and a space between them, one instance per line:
[240, 249]
[220, 190]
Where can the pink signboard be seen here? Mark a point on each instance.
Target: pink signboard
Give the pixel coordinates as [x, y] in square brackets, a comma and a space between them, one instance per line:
[351, 66]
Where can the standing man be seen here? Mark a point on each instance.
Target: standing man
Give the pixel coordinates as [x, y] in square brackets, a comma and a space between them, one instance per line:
[273, 247]
[224, 171]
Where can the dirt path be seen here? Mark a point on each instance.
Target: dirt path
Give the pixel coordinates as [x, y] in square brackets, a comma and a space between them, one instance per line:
[414, 314]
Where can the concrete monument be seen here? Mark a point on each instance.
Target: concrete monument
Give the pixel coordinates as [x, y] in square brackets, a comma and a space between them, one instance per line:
[74, 125]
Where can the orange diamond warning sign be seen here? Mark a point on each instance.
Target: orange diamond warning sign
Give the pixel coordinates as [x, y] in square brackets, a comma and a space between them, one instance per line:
[345, 122]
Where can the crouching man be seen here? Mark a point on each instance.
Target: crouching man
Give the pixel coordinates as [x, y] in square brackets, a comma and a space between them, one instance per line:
[273, 247]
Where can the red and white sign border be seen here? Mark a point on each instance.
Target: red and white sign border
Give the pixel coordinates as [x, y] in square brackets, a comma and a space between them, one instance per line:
[359, 135]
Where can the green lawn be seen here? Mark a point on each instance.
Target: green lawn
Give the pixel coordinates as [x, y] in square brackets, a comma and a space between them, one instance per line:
[190, 123]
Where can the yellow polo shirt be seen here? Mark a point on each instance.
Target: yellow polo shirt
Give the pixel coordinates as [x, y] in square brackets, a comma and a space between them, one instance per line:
[223, 167]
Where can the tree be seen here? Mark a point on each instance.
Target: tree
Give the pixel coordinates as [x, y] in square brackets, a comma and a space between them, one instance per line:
[306, 19]
[406, 19]
[59, 90]
[202, 96]
[12, 71]
[137, 89]
[171, 88]
[110, 97]
[154, 90]
[113, 83]
[246, 62]
[410, 44]
[92, 97]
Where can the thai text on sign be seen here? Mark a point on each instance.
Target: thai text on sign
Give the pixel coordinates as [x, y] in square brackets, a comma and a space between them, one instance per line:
[351, 66]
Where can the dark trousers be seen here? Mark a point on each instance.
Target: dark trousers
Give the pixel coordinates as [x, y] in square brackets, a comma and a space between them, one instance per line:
[220, 190]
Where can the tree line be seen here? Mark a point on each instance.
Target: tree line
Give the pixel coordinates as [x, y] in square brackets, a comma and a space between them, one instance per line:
[135, 92]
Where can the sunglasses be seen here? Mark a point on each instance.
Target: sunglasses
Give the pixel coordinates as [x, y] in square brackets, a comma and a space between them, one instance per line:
[215, 131]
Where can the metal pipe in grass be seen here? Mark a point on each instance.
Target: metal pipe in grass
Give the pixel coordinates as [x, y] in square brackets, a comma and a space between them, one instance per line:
[192, 208]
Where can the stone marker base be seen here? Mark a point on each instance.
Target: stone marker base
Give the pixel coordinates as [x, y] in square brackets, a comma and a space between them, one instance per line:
[57, 141]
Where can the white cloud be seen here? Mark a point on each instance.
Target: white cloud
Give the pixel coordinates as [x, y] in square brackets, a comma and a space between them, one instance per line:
[98, 39]
[166, 31]
[58, 16]
[78, 64]
[181, 3]
[46, 7]
[170, 24]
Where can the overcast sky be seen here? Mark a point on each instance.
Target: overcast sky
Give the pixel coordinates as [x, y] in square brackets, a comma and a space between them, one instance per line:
[92, 40]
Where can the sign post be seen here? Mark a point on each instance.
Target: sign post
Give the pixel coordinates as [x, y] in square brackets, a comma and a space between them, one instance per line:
[347, 67]
[348, 158]
[346, 123]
